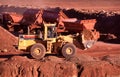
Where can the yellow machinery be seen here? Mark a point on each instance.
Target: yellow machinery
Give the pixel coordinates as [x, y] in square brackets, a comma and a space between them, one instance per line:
[47, 41]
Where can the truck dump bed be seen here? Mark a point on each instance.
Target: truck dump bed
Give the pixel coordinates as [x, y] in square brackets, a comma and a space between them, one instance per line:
[78, 26]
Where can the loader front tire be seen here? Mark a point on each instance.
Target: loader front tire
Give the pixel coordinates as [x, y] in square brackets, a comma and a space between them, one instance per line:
[68, 50]
[38, 51]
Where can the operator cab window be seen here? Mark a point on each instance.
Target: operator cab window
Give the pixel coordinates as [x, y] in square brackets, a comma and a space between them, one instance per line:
[51, 32]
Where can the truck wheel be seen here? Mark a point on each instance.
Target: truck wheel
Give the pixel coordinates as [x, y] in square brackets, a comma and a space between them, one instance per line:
[38, 51]
[68, 50]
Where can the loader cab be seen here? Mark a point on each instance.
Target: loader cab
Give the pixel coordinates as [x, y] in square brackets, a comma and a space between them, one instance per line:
[49, 31]
[49, 36]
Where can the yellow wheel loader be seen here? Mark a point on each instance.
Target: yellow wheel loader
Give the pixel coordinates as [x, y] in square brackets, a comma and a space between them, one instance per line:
[47, 41]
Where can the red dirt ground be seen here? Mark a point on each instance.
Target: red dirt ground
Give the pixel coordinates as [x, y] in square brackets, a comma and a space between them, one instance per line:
[101, 49]
[102, 60]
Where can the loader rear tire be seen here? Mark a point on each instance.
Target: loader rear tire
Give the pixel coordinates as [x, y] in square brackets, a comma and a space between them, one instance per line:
[69, 50]
[38, 51]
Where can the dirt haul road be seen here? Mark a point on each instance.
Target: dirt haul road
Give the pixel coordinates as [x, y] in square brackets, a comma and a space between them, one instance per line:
[101, 49]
